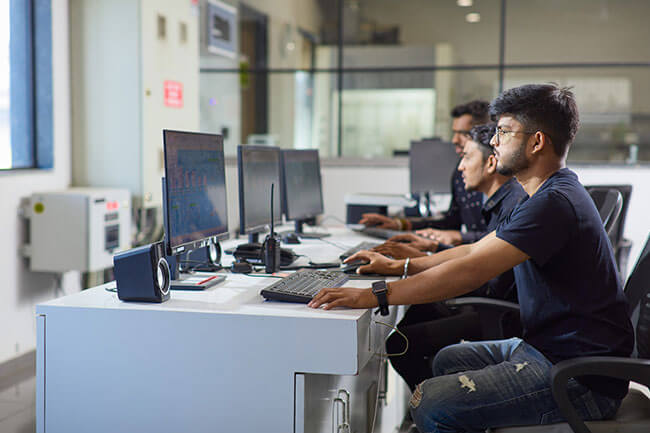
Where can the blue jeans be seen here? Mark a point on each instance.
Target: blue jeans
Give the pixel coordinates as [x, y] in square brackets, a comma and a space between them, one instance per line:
[496, 384]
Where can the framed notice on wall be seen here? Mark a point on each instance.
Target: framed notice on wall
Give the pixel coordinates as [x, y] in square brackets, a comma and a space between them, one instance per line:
[221, 28]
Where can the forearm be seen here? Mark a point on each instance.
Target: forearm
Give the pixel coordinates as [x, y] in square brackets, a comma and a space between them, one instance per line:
[448, 280]
[459, 271]
[420, 264]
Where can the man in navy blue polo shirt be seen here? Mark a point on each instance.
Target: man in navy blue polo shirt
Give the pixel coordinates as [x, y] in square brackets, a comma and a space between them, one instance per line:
[571, 300]
[430, 327]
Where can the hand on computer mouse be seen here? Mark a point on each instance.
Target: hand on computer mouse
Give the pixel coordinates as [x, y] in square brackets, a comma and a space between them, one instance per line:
[377, 263]
[377, 220]
[415, 241]
[352, 267]
[398, 250]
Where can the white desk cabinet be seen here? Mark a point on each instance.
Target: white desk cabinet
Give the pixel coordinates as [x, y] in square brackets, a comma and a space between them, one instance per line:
[219, 360]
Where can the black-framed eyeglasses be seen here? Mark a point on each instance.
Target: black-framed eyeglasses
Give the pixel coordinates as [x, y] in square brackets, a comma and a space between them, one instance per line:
[499, 132]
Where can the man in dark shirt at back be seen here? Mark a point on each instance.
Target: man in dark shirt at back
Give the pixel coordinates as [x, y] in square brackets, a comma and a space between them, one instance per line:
[465, 207]
[572, 304]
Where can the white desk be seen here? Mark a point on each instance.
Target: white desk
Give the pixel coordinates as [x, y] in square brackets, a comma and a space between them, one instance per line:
[219, 360]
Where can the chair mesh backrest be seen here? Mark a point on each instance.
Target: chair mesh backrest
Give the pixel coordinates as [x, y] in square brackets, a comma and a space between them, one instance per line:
[609, 202]
[616, 234]
[637, 291]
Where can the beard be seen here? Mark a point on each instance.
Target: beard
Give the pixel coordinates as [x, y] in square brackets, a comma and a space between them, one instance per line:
[515, 164]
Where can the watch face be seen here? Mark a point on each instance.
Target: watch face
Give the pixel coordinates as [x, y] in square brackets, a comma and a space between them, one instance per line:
[379, 286]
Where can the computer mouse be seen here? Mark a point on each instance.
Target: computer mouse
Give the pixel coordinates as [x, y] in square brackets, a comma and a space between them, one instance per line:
[291, 238]
[351, 268]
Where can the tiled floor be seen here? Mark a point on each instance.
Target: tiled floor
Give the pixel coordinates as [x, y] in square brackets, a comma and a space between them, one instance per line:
[17, 406]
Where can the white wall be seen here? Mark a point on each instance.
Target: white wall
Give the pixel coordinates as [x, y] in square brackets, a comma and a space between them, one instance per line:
[22, 290]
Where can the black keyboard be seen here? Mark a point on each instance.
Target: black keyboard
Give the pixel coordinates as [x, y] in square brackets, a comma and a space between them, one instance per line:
[376, 232]
[302, 286]
[359, 247]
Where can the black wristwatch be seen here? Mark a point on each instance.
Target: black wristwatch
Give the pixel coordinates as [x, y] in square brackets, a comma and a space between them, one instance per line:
[380, 289]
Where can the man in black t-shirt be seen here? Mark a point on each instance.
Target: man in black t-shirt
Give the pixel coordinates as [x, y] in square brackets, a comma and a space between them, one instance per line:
[430, 327]
[572, 304]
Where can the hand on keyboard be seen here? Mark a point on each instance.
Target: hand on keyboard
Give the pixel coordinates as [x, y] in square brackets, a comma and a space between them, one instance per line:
[419, 242]
[377, 263]
[398, 250]
[332, 297]
[377, 220]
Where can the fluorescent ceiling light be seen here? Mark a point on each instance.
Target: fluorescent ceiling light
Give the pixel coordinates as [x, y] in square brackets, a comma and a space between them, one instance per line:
[464, 3]
[473, 17]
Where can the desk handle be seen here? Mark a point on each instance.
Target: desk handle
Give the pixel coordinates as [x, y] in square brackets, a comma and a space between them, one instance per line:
[346, 404]
[336, 425]
[381, 394]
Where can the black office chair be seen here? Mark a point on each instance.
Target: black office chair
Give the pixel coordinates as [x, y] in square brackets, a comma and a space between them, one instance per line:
[620, 244]
[609, 202]
[634, 413]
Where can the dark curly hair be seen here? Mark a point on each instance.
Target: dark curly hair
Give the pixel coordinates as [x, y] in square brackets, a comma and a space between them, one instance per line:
[542, 107]
[482, 134]
[479, 110]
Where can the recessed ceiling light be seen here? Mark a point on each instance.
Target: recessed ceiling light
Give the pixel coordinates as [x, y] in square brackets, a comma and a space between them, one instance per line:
[464, 3]
[473, 17]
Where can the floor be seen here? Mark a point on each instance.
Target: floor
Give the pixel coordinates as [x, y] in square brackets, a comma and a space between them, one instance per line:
[17, 404]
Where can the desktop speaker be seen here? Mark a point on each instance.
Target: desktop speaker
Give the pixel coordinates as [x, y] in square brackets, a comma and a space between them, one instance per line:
[142, 274]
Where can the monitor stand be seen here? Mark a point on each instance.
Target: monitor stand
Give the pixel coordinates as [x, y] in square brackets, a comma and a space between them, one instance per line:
[298, 224]
[194, 281]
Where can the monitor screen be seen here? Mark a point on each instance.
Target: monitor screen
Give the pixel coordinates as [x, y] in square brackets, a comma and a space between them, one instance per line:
[195, 206]
[303, 195]
[258, 167]
[431, 163]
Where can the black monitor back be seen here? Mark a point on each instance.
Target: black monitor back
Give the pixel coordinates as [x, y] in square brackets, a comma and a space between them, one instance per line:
[431, 163]
[258, 167]
[301, 184]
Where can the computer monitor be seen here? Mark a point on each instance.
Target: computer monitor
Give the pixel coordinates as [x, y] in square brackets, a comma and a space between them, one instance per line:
[258, 168]
[195, 206]
[431, 163]
[301, 186]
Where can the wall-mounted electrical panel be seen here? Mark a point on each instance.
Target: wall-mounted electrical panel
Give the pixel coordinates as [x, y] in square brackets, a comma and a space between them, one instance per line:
[77, 229]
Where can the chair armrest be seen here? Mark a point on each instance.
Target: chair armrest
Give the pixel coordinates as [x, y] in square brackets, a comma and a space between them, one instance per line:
[491, 313]
[484, 302]
[637, 370]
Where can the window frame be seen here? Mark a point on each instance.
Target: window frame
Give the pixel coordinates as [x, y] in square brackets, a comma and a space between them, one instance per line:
[30, 106]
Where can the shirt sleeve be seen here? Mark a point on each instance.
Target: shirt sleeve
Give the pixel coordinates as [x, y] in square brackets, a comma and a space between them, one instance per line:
[540, 226]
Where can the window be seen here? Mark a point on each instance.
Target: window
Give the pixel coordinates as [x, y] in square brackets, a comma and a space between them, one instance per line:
[5, 126]
[362, 78]
[25, 84]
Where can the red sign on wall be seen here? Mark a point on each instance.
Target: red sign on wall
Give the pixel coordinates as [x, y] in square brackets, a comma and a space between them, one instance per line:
[173, 94]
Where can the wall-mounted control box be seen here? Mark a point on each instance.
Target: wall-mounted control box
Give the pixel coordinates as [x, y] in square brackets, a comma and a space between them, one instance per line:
[77, 229]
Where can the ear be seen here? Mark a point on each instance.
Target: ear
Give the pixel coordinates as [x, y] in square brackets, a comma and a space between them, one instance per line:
[491, 164]
[541, 142]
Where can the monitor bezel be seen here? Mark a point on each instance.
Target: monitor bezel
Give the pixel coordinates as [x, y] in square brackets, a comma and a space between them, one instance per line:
[285, 192]
[240, 175]
[197, 243]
